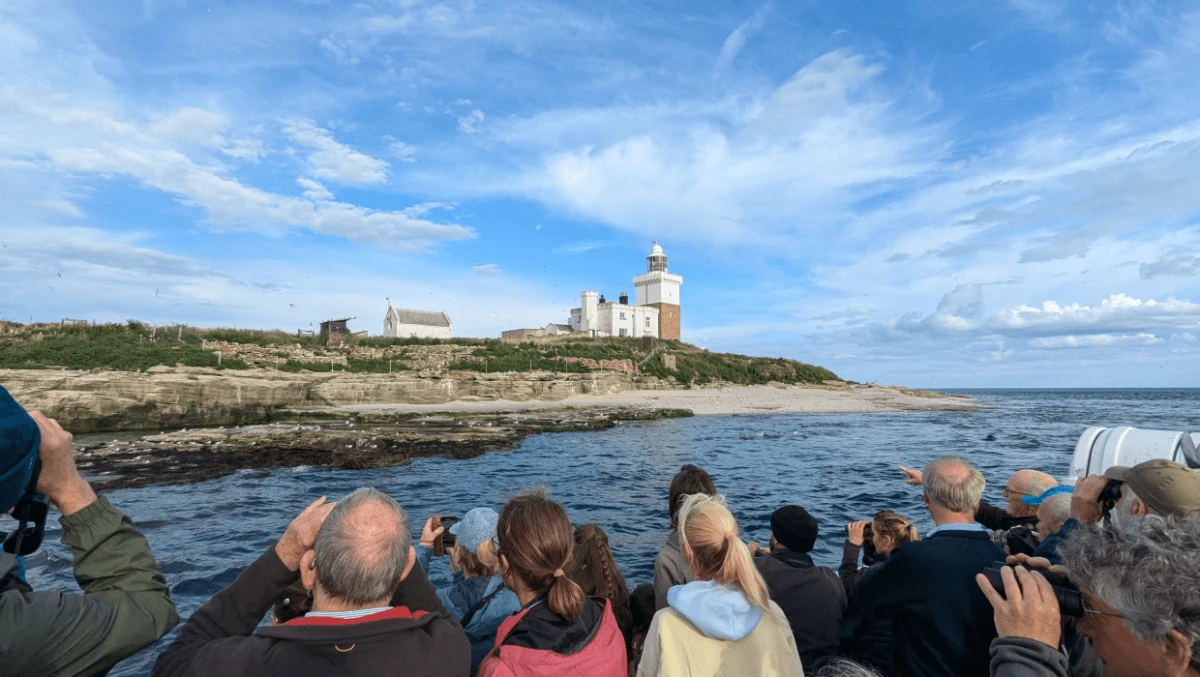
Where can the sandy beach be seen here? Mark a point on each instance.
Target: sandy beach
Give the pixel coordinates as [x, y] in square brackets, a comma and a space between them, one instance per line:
[716, 401]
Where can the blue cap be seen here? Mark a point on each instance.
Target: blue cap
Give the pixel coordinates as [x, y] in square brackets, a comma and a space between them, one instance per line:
[19, 442]
[1038, 500]
[475, 527]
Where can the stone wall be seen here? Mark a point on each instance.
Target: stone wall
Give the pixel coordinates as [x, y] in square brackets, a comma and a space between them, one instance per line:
[166, 397]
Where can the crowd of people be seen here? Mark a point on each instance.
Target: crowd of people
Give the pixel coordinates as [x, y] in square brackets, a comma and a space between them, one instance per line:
[1055, 583]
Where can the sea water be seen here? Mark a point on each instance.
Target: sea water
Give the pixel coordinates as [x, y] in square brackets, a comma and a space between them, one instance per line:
[841, 467]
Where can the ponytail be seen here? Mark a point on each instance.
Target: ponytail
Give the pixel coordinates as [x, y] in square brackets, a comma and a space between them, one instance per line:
[895, 526]
[565, 597]
[710, 533]
[536, 538]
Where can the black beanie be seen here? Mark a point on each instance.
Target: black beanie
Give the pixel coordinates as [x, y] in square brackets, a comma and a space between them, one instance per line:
[794, 528]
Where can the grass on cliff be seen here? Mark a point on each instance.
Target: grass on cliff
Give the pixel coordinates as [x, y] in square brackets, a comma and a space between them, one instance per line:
[135, 346]
[124, 347]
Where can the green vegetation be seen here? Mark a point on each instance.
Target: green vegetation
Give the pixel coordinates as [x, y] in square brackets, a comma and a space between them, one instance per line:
[125, 347]
[135, 346]
[704, 367]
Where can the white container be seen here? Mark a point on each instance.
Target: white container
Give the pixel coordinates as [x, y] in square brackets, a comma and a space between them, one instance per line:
[1099, 449]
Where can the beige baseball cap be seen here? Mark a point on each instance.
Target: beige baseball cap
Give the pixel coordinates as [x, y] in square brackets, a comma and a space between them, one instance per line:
[1167, 487]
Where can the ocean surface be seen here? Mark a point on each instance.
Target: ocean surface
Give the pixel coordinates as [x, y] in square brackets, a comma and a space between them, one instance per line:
[840, 467]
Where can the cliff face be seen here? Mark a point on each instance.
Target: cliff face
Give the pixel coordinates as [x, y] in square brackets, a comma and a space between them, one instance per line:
[165, 397]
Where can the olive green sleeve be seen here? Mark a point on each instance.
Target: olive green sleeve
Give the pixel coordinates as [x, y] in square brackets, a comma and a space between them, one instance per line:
[124, 607]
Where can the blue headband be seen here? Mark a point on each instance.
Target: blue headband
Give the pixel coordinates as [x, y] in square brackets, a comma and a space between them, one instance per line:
[1038, 500]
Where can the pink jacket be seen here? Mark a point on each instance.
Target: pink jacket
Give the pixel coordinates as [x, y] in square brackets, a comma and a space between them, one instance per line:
[534, 643]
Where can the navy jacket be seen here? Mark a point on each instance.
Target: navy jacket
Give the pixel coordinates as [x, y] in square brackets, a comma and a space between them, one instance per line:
[942, 625]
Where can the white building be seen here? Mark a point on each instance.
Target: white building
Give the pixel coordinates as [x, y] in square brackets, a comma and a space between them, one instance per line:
[656, 312]
[597, 316]
[402, 323]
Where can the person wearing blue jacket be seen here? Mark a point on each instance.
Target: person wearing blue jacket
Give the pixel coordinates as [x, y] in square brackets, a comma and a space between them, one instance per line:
[476, 596]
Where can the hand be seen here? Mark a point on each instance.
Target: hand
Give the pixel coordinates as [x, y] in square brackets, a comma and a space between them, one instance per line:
[854, 531]
[1037, 563]
[1085, 499]
[1027, 610]
[755, 549]
[912, 477]
[60, 479]
[301, 534]
[429, 533]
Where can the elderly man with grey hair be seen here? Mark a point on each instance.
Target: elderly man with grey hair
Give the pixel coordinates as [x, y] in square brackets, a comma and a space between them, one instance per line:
[941, 622]
[373, 612]
[1141, 592]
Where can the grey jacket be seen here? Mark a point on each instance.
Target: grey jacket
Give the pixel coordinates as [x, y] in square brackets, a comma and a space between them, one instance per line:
[669, 570]
[125, 604]
[1020, 657]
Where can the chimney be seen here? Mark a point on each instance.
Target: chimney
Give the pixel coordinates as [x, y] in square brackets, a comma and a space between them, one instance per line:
[602, 299]
[624, 298]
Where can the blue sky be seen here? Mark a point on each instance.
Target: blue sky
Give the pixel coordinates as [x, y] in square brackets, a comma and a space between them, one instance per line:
[929, 193]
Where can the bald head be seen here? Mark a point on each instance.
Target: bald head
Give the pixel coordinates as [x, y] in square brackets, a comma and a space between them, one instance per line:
[1026, 483]
[1031, 482]
[954, 485]
[362, 548]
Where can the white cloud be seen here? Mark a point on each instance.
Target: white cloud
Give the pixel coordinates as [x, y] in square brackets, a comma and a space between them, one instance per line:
[191, 126]
[816, 145]
[575, 248]
[333, 160]
[487, 269]
[1095, 341]
[403, 151]
[1115, 313]
[737, 39]
[314, 190]
[472, 122]
[97, 141]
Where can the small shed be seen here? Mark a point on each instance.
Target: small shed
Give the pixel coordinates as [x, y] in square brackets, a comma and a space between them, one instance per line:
[334, 332]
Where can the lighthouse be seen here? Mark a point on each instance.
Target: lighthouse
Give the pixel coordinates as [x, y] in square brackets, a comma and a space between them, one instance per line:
[658, 288]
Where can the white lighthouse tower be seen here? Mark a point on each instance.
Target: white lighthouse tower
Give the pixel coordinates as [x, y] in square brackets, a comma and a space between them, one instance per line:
[660, 289]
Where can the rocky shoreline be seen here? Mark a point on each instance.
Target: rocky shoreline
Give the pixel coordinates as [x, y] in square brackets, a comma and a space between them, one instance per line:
[357, 442]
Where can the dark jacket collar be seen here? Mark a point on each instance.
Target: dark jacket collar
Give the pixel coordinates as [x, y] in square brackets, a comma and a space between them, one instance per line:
[980, 535]
[542, 629]
[798, 560]
[319, 629]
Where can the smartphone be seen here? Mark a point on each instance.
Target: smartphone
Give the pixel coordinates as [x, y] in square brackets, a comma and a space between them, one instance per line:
[448, 540]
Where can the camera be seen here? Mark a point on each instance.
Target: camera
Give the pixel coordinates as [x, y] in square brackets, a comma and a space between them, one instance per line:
[30, 512]
[448, 540]
[1070, 600]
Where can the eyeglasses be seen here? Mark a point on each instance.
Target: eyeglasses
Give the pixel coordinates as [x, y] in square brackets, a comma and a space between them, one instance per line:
[1006, 492]
[1087, 609]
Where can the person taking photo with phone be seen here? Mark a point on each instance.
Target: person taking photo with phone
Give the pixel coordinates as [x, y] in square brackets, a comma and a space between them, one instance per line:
[476, 596]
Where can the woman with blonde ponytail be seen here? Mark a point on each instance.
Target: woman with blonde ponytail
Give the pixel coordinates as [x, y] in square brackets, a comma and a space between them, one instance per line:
[724, 622]
[558, 631]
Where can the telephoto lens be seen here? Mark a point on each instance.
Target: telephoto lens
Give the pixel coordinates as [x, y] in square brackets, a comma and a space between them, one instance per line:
[1070, 600]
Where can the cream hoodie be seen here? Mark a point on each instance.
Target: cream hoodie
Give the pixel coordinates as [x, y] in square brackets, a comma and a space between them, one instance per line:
[712, 630]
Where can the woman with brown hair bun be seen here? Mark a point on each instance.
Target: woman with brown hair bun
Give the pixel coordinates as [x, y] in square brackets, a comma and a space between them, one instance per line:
[724, 622]
[559, 631]
[670, 568]
[595, 570]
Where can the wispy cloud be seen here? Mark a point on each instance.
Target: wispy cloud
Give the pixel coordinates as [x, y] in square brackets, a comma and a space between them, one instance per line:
[332, 160]
[736, 41]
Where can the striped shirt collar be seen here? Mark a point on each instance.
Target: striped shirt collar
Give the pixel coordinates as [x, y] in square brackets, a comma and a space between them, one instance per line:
[975, 526]
[351, 614]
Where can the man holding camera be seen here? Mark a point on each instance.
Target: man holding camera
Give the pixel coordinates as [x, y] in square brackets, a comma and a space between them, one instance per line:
[125, 603]
[1139, 594]
[1154, 487]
